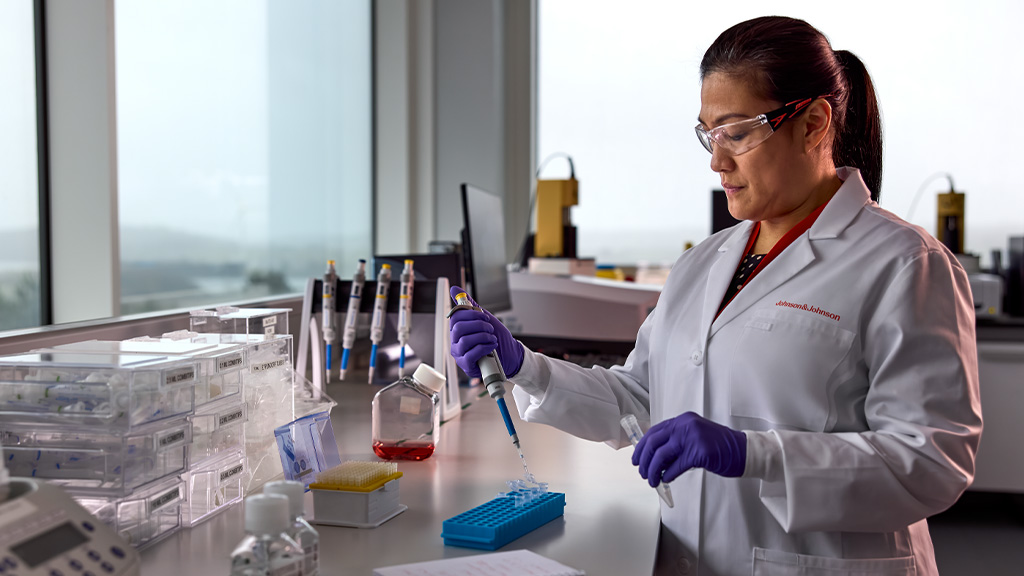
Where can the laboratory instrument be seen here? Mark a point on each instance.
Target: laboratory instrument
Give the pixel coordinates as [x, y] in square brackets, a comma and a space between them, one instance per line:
[266, 549]
[632, 428]
[357, 494]
[404, 314]
[348, 336]
[407, 415]
[43, 531]
[949, 227]
[493, 377]
[329, 311]
[305, 535]
[380, 312]
[498, 522]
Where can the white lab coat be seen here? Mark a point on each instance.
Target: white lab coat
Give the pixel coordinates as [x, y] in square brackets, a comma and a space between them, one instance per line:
[861, 408]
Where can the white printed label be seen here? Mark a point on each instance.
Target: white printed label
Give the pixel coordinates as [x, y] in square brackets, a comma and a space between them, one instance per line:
[229, 362]
[230, 417]
[268, 331]
[161, 501]
[169, 440]
[231, 472]
[269, 365]
[409, 405]
[269, 321]
[180, 376]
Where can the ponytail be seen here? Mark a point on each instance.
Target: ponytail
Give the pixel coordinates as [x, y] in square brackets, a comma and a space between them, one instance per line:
[858, 141]
[787, 59]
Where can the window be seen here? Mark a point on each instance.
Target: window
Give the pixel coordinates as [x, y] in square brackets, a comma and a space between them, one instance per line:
[244, 147]
[19, 176]
[619, 91]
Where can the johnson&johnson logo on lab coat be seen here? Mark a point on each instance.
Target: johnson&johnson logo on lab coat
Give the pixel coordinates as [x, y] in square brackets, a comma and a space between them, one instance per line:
[809, 308]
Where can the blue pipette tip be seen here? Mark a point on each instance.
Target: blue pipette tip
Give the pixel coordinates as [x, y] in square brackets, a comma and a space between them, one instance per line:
[328, 361]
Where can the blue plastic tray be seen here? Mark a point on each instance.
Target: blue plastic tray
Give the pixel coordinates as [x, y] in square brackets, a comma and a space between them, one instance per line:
[498, 522]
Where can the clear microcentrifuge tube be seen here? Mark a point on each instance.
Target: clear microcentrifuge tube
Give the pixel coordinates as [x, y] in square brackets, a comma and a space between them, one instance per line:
[632, 428]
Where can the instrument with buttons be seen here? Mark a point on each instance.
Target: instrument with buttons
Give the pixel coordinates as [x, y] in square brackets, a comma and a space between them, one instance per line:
[44, 532]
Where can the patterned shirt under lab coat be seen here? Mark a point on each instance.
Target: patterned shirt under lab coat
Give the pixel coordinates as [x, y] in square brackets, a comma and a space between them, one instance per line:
[850, 362]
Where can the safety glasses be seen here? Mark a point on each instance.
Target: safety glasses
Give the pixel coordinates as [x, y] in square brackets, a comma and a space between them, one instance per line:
[740, 137]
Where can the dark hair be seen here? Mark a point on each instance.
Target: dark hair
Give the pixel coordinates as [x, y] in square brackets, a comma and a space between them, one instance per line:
[788, 59]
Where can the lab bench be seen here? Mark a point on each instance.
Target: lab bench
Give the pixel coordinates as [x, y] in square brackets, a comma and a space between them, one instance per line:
[609, 527]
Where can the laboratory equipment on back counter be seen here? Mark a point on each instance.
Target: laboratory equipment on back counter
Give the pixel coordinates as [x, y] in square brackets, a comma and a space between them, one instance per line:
[494, 379]
[404, 314]
[380, 312]
[43, 531]
[407, 415]
[632, 428]
[348, 335]
[329, 312]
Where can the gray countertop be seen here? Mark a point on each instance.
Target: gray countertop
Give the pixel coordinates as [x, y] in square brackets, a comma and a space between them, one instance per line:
[610, 524]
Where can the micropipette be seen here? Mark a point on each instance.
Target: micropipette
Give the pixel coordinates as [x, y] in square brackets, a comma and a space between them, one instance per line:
[348, 335]
[632, 428]
[404, 314]
[380, 312]
[493, 377]
[329, 309]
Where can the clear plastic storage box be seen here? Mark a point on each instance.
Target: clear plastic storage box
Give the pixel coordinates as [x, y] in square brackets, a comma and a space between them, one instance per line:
[222, 365]
[248, 321]
[91, 460]
[144, 517]
[115, 391]
[218, 427]
[212, 485]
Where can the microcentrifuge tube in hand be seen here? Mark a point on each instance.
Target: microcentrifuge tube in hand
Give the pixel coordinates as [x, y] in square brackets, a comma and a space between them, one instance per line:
[632, 428]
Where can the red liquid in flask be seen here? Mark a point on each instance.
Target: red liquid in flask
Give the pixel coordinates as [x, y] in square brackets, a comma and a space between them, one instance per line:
[403, 451]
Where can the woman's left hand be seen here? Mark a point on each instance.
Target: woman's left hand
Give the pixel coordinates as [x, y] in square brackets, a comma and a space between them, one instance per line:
[690, 441]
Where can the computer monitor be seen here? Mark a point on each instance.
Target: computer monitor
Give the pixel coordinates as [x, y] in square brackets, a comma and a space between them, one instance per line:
[721, 218]
[483, 248]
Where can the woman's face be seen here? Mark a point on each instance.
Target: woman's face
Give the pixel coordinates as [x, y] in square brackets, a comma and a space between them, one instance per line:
[768, 182]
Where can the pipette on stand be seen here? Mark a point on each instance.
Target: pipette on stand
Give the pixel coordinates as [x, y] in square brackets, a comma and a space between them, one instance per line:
[329, 311]
[380, 313]
[632, 428]
[404, 314]
[494, 379]
[348, 335]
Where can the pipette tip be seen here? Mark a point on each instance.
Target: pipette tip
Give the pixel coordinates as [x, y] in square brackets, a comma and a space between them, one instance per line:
[370, 379]
[666, 495]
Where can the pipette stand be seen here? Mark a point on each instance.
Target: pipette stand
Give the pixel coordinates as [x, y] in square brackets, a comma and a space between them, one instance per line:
[430, 304]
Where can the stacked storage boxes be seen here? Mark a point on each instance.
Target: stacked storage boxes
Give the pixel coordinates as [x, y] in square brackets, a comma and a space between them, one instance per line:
[112, 429]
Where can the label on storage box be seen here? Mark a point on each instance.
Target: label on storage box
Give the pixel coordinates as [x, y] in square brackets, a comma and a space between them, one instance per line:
[179, 376]
[230, 417]
[165, 499]
[269, 365]
[233, 471]
[229, 362]
[269, 321]
[171, 439]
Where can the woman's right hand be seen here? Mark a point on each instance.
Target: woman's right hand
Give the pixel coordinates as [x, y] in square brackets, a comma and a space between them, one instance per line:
[475, 333]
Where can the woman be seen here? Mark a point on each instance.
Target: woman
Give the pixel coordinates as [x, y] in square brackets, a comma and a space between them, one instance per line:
[811, 373]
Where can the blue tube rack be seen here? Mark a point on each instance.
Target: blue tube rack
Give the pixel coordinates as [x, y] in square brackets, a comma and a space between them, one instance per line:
[498, 522]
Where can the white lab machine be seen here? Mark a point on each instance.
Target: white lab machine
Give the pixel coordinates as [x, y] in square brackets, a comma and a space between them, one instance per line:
[43, 531]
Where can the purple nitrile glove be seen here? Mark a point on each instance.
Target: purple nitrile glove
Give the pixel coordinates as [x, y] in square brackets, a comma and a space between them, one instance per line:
[475, 333]
[690, 441]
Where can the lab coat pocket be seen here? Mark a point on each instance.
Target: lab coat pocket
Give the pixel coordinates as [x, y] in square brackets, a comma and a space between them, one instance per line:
[781, 367]
[778, 563]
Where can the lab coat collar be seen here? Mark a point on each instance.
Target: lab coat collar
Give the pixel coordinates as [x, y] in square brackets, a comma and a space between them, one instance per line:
[837, 215]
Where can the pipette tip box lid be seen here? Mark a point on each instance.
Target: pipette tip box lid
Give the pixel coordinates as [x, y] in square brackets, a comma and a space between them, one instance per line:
[498, 522]
[357, 494]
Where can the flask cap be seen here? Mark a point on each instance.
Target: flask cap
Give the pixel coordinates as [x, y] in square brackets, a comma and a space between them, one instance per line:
[290, 489]
[266, 514]
[429, 377]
